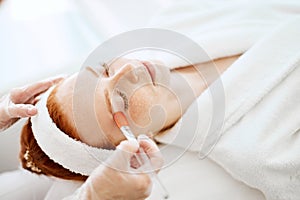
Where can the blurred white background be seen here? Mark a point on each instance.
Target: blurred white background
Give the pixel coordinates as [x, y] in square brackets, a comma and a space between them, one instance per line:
[42, 38]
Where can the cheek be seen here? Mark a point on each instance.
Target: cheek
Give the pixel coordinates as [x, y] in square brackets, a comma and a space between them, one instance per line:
[140, 104]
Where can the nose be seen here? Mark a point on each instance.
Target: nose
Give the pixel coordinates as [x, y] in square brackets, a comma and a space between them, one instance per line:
[127, 72]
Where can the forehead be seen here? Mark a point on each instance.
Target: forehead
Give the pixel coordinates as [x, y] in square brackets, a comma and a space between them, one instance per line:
[83, 99]
[65, 90]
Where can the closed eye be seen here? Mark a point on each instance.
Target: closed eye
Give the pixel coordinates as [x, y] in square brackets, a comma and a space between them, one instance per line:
[125, 99]
[98, 71]
[94, 71]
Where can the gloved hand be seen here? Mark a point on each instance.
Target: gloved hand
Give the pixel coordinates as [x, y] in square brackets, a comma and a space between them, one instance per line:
[117, 179]
[20, 102]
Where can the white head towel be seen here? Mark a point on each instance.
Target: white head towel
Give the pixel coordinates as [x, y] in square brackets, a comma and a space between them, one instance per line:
[74, 155]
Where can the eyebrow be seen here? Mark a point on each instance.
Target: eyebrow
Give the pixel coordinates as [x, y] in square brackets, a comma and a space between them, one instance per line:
[94, 71]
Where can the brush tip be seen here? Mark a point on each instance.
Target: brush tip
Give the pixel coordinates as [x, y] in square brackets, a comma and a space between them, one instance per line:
[120, 119]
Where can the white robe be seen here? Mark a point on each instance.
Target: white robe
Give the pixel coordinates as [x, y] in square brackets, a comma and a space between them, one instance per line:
[260, 142]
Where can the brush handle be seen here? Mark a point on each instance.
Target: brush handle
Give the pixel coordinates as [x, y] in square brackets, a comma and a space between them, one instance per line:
[144, 160]
[128, 134]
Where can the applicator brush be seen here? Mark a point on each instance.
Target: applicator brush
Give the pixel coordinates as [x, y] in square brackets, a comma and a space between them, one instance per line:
[142, 158]
[122, 123]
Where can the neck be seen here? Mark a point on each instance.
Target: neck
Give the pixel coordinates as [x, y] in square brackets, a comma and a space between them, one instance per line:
[187, 83]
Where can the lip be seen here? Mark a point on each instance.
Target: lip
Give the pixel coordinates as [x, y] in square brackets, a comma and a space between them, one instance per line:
[151, 70]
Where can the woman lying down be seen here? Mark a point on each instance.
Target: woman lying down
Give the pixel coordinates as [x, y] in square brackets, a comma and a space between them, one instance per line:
[260, 135]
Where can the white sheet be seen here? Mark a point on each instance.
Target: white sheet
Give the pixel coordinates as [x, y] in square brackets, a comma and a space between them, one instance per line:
[193, 179]
[21, 184]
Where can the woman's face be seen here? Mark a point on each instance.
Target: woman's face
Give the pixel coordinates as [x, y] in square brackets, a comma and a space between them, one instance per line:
[139, 89]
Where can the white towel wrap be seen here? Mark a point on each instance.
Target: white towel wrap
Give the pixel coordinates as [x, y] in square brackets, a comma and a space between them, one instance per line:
[74, 155]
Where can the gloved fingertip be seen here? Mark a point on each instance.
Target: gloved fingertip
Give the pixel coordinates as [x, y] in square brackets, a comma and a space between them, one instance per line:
[32, 110]
[128, 145]
[143, 137]
[59, 77]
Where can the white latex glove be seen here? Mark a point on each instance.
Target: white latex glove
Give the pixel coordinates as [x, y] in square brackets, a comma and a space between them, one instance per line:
[20, 102]
[117, 179]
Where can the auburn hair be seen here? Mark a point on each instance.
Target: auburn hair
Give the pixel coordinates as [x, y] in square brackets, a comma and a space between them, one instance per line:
[31, 155]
